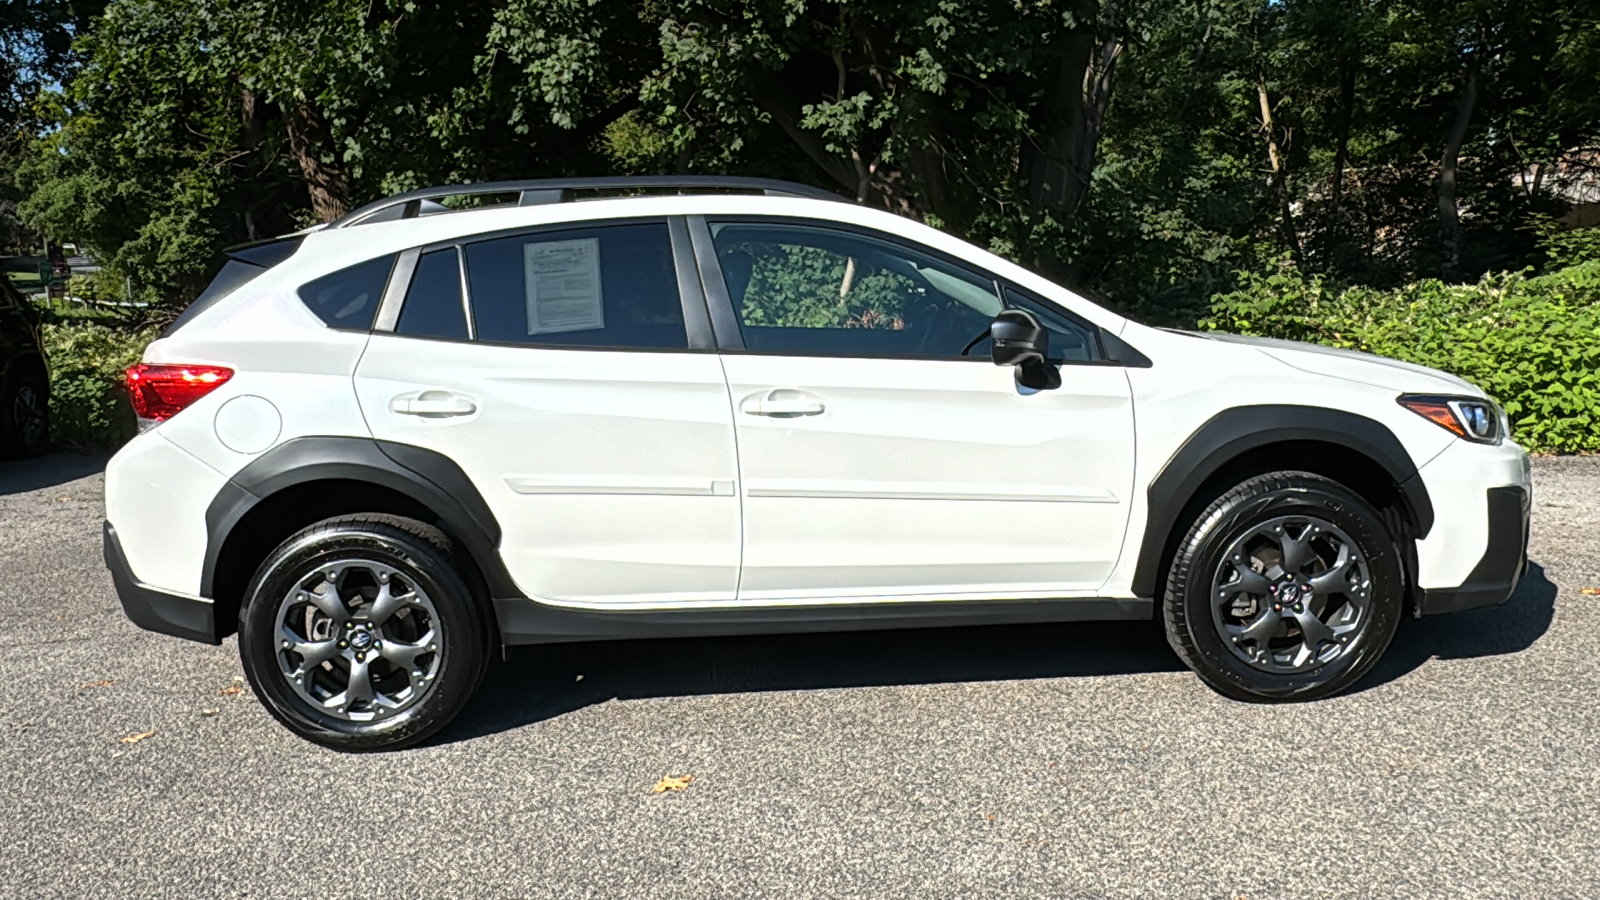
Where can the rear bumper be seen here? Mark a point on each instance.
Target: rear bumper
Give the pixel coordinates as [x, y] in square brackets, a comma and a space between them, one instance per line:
[1504, 561]
[154, 609]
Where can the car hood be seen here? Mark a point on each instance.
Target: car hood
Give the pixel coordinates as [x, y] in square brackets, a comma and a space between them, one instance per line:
[1352, 365]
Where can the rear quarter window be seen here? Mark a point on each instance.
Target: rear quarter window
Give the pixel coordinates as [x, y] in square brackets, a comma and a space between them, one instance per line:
[348, 299]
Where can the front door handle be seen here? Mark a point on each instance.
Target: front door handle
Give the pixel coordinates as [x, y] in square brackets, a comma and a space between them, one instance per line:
[783, 403]
[433, 405]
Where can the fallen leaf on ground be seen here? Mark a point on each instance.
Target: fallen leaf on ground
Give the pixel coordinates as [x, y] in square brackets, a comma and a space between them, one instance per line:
[231, 690]
[104, 682]
[135, 738]
[210, 712]
[62, 499]
[1593, 592]
[672, 783]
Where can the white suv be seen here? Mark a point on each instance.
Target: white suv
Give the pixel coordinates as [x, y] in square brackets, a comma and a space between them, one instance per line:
[646, 407]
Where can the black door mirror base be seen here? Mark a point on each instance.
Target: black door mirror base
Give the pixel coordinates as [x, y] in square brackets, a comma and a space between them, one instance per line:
[1039, 375]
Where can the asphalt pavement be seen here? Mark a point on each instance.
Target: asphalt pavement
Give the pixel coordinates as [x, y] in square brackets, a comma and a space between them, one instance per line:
[1060, 761]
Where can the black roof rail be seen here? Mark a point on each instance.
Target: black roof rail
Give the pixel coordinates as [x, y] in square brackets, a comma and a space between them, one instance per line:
[539, 191]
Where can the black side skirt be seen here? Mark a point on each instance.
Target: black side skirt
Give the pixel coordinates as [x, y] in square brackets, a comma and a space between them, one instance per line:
[525, 621]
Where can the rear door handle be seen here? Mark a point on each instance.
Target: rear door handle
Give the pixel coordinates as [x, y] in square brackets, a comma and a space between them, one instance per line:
[433, 405]
[783, 403]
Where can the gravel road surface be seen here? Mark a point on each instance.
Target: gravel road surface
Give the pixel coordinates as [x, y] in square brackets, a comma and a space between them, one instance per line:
[1061, 761]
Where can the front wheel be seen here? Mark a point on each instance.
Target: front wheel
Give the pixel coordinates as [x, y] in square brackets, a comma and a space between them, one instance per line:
[358, 634]
[1287, 587]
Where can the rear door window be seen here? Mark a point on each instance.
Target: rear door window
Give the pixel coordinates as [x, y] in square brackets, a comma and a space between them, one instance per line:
[607, 286]
[433, 305]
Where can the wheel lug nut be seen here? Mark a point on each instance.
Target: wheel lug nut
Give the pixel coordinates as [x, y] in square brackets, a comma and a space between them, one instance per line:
[343, 644]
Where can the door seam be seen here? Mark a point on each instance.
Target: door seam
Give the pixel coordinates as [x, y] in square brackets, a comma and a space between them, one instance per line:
[738, 471]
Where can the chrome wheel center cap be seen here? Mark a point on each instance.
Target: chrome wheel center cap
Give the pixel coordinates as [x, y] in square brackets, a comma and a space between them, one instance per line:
[361, 640]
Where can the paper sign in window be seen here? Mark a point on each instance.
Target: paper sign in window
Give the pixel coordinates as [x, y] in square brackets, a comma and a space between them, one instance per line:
[563, 285]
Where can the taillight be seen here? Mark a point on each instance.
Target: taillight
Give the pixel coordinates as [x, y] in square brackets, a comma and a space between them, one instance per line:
[162, 391]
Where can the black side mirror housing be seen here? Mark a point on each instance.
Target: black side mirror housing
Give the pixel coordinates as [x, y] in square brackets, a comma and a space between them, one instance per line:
[1020, 341]
[1018, 338]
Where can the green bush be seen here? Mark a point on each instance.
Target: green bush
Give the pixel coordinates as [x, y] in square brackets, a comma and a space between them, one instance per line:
[1531, 343]
[88, 402]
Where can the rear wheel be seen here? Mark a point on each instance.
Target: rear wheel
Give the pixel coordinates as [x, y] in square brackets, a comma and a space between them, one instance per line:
[359, 635]
[24, 414]
[1287, 587]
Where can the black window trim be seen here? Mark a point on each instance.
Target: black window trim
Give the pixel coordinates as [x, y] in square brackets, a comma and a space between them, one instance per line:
[722, 309]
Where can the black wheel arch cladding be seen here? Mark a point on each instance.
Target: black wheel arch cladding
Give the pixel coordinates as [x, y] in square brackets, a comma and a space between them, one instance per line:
[430, 478]
[1234, 432]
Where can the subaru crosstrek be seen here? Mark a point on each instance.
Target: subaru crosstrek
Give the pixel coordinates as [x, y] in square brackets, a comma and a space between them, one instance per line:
[382, 449]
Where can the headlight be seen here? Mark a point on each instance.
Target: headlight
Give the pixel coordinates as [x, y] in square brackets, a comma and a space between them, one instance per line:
[1469, 418]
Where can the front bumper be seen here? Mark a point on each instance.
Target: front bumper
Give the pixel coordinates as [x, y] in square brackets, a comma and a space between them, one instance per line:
[154, 609]
[1504, 561]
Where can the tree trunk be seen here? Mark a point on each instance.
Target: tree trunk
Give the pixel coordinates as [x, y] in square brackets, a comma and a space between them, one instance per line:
[1449, 214]
[250, 115]
[1347, 102]
[926, 161]
[1280, 171]
[1056, 169]
[325, 181]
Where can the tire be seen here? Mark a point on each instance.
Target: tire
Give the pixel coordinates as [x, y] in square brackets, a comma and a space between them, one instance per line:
[1251, 636]
[300, 634]
[24, 414]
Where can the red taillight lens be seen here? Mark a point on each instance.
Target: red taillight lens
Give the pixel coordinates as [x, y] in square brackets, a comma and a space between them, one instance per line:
[161, 392]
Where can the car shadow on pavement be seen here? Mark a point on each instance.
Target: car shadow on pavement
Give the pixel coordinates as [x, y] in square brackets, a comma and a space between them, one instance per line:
[1511, 627]
[538, 683]
[24, 475]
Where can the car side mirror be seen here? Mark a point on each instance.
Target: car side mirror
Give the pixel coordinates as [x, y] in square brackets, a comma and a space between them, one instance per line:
[1020, 341]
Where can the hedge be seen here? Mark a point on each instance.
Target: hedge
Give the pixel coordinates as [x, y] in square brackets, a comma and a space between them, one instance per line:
[1533, 343]
[89, 405]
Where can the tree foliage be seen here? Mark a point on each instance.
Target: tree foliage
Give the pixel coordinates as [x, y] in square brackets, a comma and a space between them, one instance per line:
[1143, 152]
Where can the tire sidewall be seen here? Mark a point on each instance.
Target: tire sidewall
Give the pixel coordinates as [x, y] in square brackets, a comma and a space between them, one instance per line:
[462, 651]
[11, 440]
[1212, 537]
